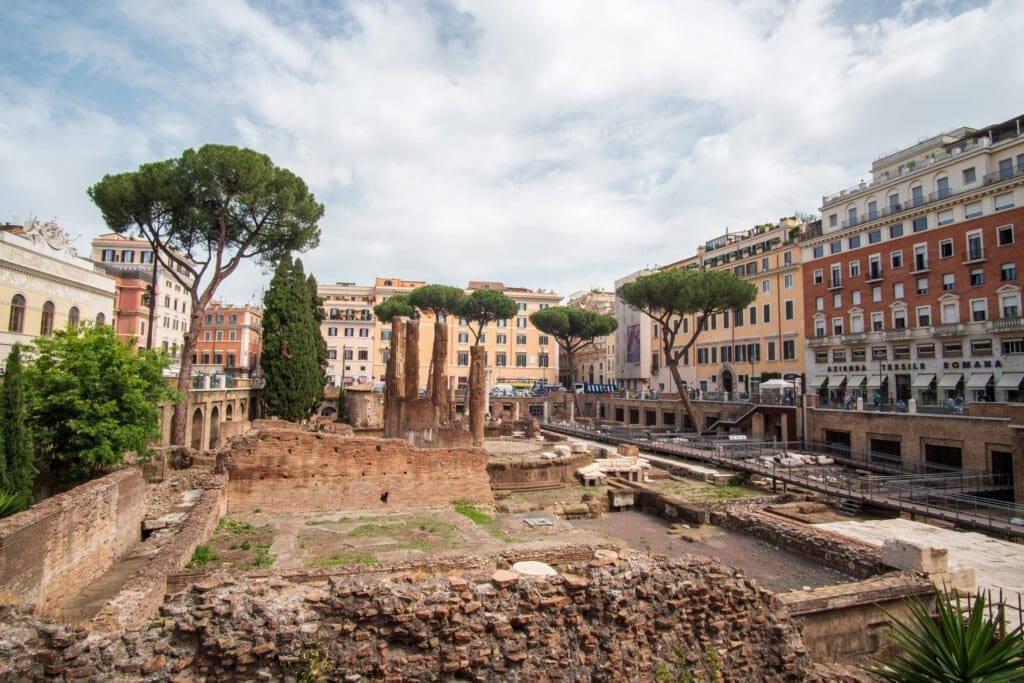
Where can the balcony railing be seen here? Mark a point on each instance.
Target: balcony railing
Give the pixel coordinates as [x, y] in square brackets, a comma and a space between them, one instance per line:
[975, 255]
[873, 274]
[948, 330]
[1003, 324]
[898, 333]
[855, 338]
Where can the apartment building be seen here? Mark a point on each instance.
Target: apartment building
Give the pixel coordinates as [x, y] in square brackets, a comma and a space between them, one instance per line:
[911, 283]
[151, 306]
[46, 286]
[736, 348]
[230, 339]
[638, 359]
[516, 352]
[595, 361]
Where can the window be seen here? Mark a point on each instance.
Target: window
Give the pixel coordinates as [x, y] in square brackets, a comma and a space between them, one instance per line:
[920, 257]
[922, 285]
[363, 332]
[899, 319]
[522, 307]
[1005, 168]
[969, 175]
[1013, 346]
[109, 255]
[350, 332]
[952, 350]
[856, 323]
[789, 309]
[833, 220]
[858, 355]
[520, 360]
[501, 323]
[726, 354]
[926, 350]
[945, 217]
[819, 327]
[364, 354]
[752, 268]
[876, 294]
[764, 264]
[895, 231]
[979, 310]
[787, 258]
[16, 321]
[854, 242]
[879, 353]
[877, 321]
[837, 300]
[218, 356]
[521, 321]
[233, 319]
[977, 277]
[901, 353]
[854, 268]
[542, 340]
[851, 216]
[837, 246]
[725, 320]
[836, 276]
[738, 270]
[1004, 201]
[332, 354]
[220, 318]
[974, 249]
[206, 357]
[500, 359]
[220, 335]
[948, 281]
[924, 316]
[503, 339]
[874, 267]
[1009, 271]
[46, 324]
[789, 349]
[463, 358]
[856, 298]
[920, 224]
[945, 248]
[385, 335]
[521, 340]
[942, 187]
[787, 281]
[771, 350]
[897, 290]
[950, 312]
[766, 286]
[839, 356]
[542, 360]
[739, 317]
[896, 258]
[837, 325]
[981, 347]
[766, 313]
[819, 251]
[874, 237]
[1004, 235]
[972, 210]
[819, 276]
[753, 315]
[206, 336]
[463, 337]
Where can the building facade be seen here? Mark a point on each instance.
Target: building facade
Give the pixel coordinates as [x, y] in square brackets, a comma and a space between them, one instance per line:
[45, 285]
[638, 359]
[595, 361]
[911, 284]
[736, 348]
[152, 307]
[230, 340]
[351, 333]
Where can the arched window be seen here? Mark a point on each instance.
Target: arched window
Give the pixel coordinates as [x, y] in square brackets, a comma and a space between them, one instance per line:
[101, 319]
[73, 317]
[46, 323]
[17, 320]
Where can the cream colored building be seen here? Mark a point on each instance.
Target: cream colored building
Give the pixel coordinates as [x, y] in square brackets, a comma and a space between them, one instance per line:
[358, 344]
[638, 360]
[595, 362]
[45, 285]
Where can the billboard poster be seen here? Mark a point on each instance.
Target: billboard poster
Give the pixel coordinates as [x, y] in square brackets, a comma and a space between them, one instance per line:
[633, 344]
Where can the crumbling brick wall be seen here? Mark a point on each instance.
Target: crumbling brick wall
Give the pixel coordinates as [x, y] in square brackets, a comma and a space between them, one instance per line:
[292, 471]
[51, 551]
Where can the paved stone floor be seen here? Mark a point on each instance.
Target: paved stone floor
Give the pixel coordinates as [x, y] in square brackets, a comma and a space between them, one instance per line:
[996, 564]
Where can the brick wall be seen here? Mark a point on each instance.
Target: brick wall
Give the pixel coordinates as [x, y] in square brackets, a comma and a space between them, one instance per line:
[51, 551]
[292, 471]
[524, 475]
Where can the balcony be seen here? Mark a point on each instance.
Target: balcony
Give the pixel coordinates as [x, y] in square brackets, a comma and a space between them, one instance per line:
[1006, 324]
[974, 256]
[948, 330]
[818, 341]
[1003, 174]
[898, 333]
[835, 283]
[855, 338]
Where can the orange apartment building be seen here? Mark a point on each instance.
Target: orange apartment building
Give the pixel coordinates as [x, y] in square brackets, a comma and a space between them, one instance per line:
[230, 339]
[911, 283]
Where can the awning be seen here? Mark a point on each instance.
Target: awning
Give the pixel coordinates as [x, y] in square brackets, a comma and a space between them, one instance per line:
[979, 380]
[855, 381]
[1010, 380]
[816, 382]
[874, 381]
[922, 381]
[950, 381]
[835, 380]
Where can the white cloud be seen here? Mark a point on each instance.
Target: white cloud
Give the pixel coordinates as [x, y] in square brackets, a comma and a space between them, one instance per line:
[546, 144]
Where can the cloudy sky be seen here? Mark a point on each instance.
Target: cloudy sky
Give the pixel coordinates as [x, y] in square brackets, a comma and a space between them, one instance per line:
[556, 144]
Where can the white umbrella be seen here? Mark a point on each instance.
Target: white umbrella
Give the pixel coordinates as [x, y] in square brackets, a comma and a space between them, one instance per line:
[775, 384]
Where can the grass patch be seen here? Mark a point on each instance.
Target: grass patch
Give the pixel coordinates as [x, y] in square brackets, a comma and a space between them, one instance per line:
[344, 558]
[467, 509]
[234, 526]
[263, 558]
[318, 522]
[202, 556]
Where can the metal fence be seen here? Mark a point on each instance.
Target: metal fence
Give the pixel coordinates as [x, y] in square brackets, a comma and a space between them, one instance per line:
[1002, 605]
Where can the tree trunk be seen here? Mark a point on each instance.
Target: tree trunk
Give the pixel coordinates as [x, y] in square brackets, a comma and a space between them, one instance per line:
[179, 421]
[683, 395]
[412, 359]
[477, 391]
[439, 374]
[570, 358]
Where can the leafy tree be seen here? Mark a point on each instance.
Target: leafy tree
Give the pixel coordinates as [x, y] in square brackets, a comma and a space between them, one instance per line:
[668, 295]
[291, 357]
[950, 648]
[204, 213]
[479, 308]
[573, 328]
[395, 307]
[439, 300]
[93, 398]
[319, 315]
[17, 454]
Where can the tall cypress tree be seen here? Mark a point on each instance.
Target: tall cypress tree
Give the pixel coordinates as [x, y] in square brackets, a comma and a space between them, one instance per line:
[291, 345]
[319, 315]
[20, 470]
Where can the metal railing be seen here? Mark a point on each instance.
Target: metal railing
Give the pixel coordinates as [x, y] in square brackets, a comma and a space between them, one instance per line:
[1004, 606]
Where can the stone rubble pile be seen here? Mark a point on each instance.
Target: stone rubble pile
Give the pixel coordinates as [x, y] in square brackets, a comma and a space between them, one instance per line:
[608, 619]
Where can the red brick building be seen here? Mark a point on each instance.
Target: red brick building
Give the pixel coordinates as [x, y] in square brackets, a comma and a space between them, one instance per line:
[911, 285]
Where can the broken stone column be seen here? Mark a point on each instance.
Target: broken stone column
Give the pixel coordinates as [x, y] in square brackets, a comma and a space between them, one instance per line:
[412, 359]
[394, 383]
[439, 373]
[477, 394]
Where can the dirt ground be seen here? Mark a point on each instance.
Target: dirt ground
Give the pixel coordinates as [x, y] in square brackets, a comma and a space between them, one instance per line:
[695, 491]
[773, 568]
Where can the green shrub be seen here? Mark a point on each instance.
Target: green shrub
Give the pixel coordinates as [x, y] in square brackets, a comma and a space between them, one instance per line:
[467, 509]
[10, 503]
[202, 556]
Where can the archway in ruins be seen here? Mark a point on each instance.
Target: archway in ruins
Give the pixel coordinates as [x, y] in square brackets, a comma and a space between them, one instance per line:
[228, 412]
[215, 428]
[197, 429]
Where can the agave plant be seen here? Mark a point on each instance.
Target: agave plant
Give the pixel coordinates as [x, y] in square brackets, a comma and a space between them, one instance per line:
[11, 503]
[951, 648]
